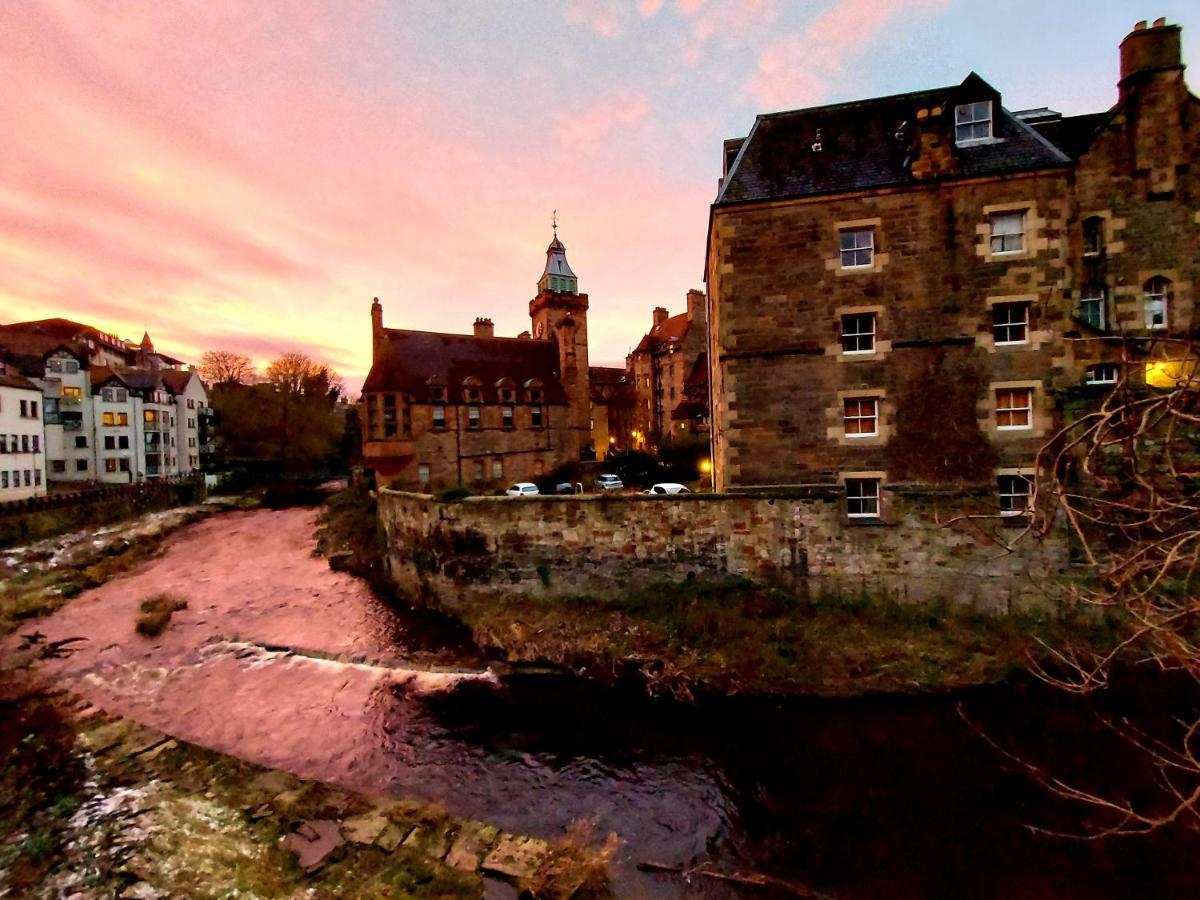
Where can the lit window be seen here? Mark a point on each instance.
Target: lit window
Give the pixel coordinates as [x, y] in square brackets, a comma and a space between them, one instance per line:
[858, 248]
[1014, 408]
[1016, 494]
[858, 333]
[473, 417]
[1010, 323]
[1092, 306]
[862, 498]
[1103, 373]
[861, 417]
[507, 416]
[972, 122]
[1157, 291]
[439, 416]
[1093, 236]
[1008, 232]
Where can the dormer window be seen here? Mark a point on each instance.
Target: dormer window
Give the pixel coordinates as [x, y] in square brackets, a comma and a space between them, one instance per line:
[438, 393]
[972, 122]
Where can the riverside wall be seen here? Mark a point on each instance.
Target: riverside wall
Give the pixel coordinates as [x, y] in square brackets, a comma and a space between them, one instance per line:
[485, 546]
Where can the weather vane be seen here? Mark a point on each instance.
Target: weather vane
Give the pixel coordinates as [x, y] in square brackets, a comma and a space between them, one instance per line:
[554, 221]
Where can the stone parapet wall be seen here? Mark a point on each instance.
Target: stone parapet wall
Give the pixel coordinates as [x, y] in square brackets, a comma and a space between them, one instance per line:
[486, 546]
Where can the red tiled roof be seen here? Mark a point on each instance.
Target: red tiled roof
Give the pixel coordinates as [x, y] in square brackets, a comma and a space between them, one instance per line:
[176, 380]
[672, 330]
[20, 382]
[411, 358]
[27, 352]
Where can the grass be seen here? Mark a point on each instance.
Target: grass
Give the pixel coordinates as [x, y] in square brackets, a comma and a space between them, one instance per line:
[154, 614]
[737, 637]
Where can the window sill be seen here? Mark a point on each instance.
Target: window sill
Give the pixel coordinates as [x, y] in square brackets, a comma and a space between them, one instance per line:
[861, 437]
[1010, 428]
[1013, 344]
[866, 522]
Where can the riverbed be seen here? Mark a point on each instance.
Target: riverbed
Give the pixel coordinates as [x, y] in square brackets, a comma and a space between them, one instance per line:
[283, 662]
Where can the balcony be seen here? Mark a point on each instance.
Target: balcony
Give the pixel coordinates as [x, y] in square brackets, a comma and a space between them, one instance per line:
[71, 421]
[66, 400]
[153, 442]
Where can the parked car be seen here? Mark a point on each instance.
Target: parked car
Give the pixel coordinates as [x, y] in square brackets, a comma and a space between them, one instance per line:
[523, 489]
[668, 487]
[608, 483]
[565, 487]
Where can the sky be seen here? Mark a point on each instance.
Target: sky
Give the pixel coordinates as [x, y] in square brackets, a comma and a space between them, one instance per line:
[247, 176]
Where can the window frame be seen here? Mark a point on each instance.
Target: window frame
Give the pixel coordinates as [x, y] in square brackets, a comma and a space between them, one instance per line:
[1006, 496]
[1152, 297]
[858, 497]
[1093, 236]
[1023, 323]
[859, 335]
[474, 418]
[961, 122]
[856, 248]
[994, 219]
[859, 417]
[1012, 410]
[1100, 382]
[1100, 299]
[439, 416]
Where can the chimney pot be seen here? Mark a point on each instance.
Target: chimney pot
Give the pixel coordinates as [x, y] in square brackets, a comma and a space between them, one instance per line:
[1160, 22]
[484, 327]
[1140, 26]
[660, 315]
[1147, 50]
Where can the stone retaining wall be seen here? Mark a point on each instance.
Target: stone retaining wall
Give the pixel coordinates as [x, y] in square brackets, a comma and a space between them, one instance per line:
[593, 544]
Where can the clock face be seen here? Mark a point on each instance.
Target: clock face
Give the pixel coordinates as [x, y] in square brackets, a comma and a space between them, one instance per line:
[541, 329]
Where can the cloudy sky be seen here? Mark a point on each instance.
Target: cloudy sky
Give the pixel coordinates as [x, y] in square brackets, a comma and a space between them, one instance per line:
[229, 174]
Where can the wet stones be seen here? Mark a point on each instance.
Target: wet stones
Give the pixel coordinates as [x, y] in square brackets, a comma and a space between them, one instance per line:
[313, 841]
[469, 847]
[516, 858]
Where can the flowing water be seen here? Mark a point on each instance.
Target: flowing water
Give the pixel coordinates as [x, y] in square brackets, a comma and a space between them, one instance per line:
[283, 662]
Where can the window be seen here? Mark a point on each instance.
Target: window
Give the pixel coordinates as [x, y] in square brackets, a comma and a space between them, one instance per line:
[191, 404]
[535, 417]
[1093, 236]
[861, 417]
[70, 366]
[1008, 232]
[123, 465]
[1010, 323]
[110, 464]
[858, 248]
[862, 498]
[36, 443]
[423, 474]
[37, 477]
[54, 365]
[1157, 292]
[24, 443]
[4, 479]
[1016, 494]
[3, 443]
[497, 468]
[507, 416]
[80, 441]
[58, 466]
[123, 442]
[389, 415]
[439, 416]
[150, 416]
[109, 418]
[110, 442]
[28, 477]
[1103, 373]
[122, 418]
[24, 409]
[858, 333]
[473, 417]
[406, 417]
[1092, 306]
[1014, 408]
[81, 465]
[479, 470]
[972, 122]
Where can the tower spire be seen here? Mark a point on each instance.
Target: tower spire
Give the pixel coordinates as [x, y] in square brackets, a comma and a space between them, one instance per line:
[554, 221]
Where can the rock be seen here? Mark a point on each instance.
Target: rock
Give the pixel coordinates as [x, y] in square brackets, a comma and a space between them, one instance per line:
[313, 841]
[341, 561]
[472, 843]
[142, 891]
[364, 829]
[260, 812]
[286, 801]
[272, 783]
[391, 837]
[154, 752]
[433, 842]
[515, 857]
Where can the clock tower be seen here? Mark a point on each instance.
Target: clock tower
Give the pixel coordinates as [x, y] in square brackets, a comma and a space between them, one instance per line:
[559, 314]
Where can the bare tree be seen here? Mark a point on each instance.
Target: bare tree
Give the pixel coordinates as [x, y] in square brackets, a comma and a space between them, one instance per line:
[1123, 478]
[226, 367]
[295, 373]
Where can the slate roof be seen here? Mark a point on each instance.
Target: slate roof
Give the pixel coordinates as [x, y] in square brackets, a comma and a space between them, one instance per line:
[870, 144]
[176, 380]
[670, 331]
[412, 358]
[1072, 134]
[20, 382]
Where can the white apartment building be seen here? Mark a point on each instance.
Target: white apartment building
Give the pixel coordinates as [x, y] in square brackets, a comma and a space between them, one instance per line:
[22, 438]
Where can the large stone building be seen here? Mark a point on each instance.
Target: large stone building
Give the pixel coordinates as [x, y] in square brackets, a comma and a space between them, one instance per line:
[904, 289]
[660, 367]
[112, 411]
[476, 410]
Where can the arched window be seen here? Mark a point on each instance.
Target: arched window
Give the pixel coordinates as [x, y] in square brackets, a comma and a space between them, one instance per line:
[1093, 236]
[1158, 297]
[472, 389]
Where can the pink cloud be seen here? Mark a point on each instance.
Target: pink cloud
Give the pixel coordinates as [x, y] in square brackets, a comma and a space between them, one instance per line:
[798, 70]
[649, 8]
[604, 17]
[586, 128]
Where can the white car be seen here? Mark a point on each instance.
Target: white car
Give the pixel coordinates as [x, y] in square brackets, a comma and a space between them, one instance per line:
[609, 483]
[523, 489]
[668, 487]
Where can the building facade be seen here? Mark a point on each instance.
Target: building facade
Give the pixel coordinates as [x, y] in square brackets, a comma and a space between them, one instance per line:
[476, 410]
[904, 289]
[22, 438]
[660, 367]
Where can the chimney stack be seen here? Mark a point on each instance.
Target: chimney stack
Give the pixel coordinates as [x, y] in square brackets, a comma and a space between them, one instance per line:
[660, 315]
[1146, 51]
[484, 328]
[696, 309]
[377, 339]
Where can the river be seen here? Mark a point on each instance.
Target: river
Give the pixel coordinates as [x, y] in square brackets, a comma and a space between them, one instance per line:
[283, 662]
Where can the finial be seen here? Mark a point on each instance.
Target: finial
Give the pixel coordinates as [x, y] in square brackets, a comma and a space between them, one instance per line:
[554, 220]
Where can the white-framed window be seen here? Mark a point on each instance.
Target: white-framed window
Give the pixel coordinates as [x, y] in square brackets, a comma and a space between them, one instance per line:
[1092, 306]
[1158, 290]
[1016, 494]
[862, 498]
[1014, 408]
[506, 416]
[473, 417]
[1008, 232]
[423, 474]
[1103, 373]
[497, 468]
[972, 122]
[858, 247]
[1010, 323]
[858, 333]
[861, 417]
[1093, 236]
[439, 416]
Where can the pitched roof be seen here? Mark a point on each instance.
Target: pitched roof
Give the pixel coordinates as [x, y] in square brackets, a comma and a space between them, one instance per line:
[410, 359]
[606, 374]
[20, 382]
[672, 330]
[27, 351]
[177, 380]
[1072, 134]
[870, 144]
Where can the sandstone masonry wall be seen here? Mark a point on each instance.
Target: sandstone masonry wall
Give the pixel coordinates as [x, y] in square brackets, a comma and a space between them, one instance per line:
[486, 546]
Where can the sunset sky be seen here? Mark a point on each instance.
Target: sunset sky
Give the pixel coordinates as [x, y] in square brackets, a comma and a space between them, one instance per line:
[238, 175]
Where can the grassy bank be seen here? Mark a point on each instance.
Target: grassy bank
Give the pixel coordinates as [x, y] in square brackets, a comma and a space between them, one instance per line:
[738, 637]
[102, 807]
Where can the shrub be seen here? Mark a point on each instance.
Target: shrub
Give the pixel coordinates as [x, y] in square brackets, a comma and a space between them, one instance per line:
[155, 614]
